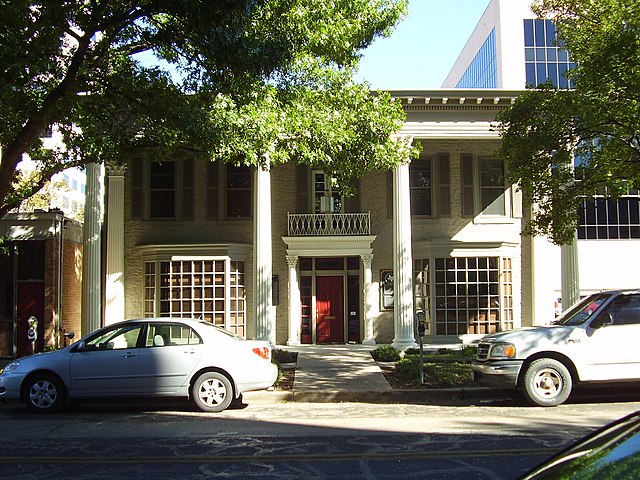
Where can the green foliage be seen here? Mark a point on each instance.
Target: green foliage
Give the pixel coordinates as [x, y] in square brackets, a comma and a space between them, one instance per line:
[446, 368]
[599, 121]
[279, 356]
[255, 82]
[385, 353]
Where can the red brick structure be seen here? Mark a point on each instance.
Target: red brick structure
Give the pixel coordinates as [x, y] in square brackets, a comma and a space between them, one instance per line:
[40, 276]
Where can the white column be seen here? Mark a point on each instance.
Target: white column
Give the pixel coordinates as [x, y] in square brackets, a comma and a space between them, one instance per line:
[264, 318]
[403, 262]
[91, 318]
[294, 301]
[369, 299]
[570, 273]
[114, 287]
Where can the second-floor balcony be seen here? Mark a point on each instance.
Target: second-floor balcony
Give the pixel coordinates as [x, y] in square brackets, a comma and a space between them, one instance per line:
[327, 224]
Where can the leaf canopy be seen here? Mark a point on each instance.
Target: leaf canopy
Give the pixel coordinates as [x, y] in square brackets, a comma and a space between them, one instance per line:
[263, 81]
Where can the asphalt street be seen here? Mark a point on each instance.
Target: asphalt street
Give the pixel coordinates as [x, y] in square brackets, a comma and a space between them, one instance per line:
[495, 439]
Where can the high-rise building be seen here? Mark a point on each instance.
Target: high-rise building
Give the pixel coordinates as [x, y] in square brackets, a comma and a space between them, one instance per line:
[511, 48]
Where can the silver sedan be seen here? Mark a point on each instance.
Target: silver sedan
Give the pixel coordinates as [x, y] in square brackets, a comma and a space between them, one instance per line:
[144, 358]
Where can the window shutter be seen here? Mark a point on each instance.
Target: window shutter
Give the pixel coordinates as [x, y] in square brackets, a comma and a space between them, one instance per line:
[213, 189]
[137, 199]
[444, 185]
[187, 189]
[468, 209]
[352, 203]
[302, 189]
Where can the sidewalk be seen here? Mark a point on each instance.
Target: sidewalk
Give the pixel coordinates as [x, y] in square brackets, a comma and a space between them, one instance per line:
[348, 373]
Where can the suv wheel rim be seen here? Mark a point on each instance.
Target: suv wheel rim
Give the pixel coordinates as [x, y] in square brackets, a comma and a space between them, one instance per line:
[548, 383]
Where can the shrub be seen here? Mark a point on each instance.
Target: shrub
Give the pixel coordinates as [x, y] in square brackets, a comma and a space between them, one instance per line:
[447, 368]
[385, 353]
[279, 356]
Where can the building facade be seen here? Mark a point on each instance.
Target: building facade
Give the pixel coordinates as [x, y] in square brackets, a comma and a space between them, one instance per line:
[280, 255]
[40, 277]
[510, 48]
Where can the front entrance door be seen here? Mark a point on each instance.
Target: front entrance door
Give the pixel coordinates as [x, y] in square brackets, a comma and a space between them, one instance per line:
[330, 309]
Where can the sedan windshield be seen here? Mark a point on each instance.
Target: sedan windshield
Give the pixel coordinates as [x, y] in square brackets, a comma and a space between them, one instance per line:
[582, 311]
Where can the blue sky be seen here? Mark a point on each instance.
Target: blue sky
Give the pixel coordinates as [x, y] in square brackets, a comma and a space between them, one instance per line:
[421, 50]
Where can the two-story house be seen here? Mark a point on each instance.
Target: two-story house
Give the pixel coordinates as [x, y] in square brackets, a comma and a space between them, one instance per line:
[280, 255]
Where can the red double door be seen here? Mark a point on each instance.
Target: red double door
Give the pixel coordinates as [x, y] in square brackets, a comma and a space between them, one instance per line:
[330, 309]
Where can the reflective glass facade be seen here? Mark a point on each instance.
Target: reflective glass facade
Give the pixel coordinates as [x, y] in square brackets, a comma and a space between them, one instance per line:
[483, 70]
[544, 58]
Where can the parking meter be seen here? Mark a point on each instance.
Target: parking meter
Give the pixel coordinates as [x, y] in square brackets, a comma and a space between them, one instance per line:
[32, 332]
[420, 316]
[68, 335]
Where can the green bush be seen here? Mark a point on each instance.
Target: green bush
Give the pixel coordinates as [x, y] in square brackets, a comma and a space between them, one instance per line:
[443, 369]
[385, 353]
[279, 356]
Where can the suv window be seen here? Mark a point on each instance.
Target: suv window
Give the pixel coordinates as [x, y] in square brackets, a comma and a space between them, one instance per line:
[624, 310]
[582, 311]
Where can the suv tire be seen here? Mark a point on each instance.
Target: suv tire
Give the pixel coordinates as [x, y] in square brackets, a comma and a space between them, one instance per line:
[547, 382]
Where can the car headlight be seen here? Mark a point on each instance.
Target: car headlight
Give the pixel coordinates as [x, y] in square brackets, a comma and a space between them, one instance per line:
[503, 350]
[10, 367]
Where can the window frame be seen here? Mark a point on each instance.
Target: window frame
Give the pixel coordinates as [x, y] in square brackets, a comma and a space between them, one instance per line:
[472, 191]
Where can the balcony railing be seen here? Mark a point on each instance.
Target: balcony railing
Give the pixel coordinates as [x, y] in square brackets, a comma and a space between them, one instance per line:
[325, 224]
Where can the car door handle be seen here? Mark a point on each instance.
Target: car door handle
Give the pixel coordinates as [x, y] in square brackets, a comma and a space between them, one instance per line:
[129, 354]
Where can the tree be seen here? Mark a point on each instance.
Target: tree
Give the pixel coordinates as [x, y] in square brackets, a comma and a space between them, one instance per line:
[250, 81]
[597, 123]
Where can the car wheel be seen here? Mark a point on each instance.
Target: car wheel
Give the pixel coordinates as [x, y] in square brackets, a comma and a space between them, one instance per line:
[212, 392]
[44, 393]
[547, 382]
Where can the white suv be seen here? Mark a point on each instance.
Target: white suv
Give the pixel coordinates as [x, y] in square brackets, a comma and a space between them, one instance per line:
[596, 340]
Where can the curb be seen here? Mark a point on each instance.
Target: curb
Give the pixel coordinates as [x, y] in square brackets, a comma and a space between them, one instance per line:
[417, 396]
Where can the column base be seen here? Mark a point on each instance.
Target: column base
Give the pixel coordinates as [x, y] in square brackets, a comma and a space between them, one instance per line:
[293, 343]
[403, 344]
[369, 342]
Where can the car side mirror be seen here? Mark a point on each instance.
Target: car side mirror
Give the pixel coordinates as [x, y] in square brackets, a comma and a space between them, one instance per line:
[79, 347]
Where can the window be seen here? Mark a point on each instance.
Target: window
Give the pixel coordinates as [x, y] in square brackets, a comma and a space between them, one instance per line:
[325, 196]
[211, 290]
[429, 187]
[238, 192]
[483, 186]
[545, 59]
[420, 188]
[162, 190]
[610, 219]
[483, 69]
[117, 338]
[624, 310]
[229, 191]
[492, 186]
[171, 334]
[473, 295]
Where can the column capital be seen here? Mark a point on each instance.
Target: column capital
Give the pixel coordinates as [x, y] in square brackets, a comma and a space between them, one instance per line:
[115, 169]
[292, 260]
[367, 259]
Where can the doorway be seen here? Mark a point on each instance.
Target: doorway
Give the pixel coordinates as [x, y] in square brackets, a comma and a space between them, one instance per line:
[330, 309]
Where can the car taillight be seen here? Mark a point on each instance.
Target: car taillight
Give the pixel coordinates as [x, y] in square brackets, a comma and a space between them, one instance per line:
[264, 352]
